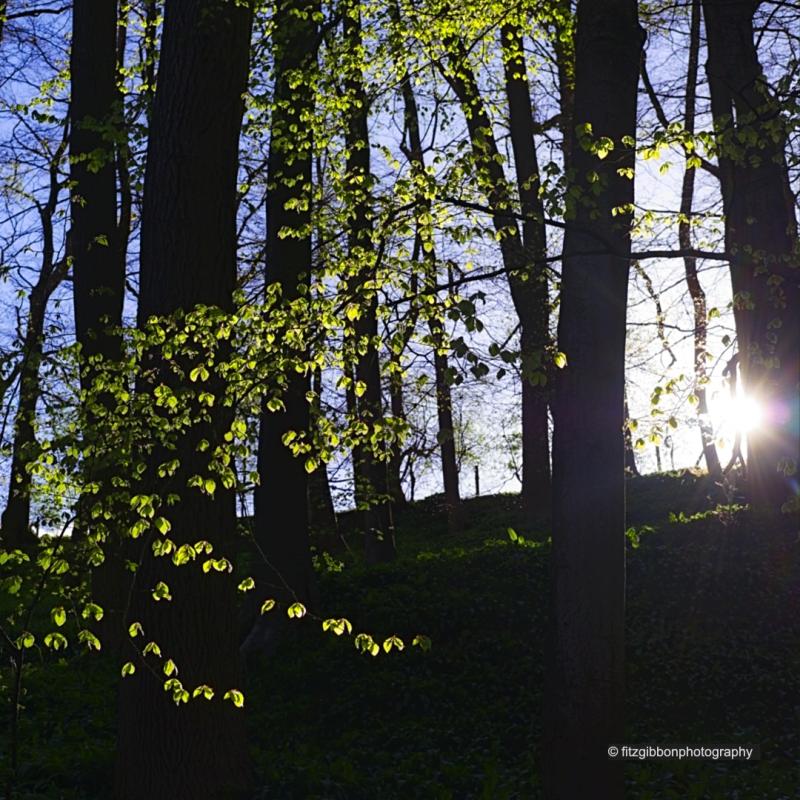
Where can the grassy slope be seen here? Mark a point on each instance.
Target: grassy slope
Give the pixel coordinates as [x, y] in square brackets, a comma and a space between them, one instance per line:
[713, 656]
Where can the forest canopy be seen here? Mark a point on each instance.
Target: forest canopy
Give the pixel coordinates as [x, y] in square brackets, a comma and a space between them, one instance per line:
[277, 274]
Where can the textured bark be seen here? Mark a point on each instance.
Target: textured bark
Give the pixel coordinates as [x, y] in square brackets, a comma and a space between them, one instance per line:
[761, 235]
[585, 660]
[188, 257]
[281, 499]
[371, 472]
[519, 251]
[98, 244]
[97, 262]
[690, 263]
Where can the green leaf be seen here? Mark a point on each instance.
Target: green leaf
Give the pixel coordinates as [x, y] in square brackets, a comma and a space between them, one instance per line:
[93, 611]
[203, 690]
[135, 629]
[170, 668]
[128, 668]
[267, 605]
[246, 585]
[235, 696]
[163, 526]
[421, 641]
[152, 647]
[55, 640]
[296, 611]
[161, 592]
[560, 360]
[58, 615]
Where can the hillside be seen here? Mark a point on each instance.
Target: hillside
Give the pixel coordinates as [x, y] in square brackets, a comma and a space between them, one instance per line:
[713, 647]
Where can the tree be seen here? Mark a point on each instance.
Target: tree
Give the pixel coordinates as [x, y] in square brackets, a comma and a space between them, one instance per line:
[520, 251]
[761, 237]
[188, 259]
[284, 538]
[371, 471]
[585, 663]
[15, 526]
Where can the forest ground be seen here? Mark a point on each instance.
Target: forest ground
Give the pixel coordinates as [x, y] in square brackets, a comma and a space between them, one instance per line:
[713, 656]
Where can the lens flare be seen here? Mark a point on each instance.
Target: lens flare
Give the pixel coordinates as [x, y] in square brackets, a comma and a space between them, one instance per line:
[740, 413]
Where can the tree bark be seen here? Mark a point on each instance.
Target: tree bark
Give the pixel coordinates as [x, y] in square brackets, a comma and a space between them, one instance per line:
[98, 243]
[283, 537]
[585, 668]
[761, 234]
[188, 257]
[533, 306]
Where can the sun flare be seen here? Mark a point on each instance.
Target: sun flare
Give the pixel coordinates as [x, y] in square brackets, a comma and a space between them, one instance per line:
[740, 413]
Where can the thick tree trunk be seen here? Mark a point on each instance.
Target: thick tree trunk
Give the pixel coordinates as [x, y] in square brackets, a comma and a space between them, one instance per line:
[98, 264]
[761, 235]
[188, 257]
[98, 243]
[283, 537]
[371, 471]
[690, 263]
[585, 666]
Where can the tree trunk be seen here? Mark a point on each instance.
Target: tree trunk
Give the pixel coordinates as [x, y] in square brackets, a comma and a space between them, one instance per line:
[444, 401]
[397, 406]
[585, 664]
[321, 512]
[533, 306]
[526, 280]
[188, 257]
[283, 538]
[371, 471]
[761, 235]
[98, 264]
[98, 244]
[15, 527]
[690, 263]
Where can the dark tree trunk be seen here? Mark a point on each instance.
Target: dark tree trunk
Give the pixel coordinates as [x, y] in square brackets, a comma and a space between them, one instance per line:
[631, 469]
[281, 499]
[98, 243]
[371, 471]
[585, 662]
[446, 435]
[761, 235]
[533, 305]
[690, 263]
[97, 262]
[397, 406]
[15, 527]
[321, 512]
[188, 257]
[526, 279]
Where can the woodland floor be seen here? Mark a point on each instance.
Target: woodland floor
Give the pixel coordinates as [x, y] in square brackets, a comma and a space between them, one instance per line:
[713, 653]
